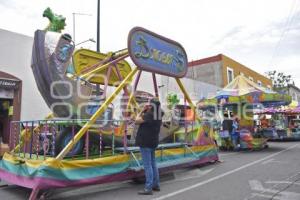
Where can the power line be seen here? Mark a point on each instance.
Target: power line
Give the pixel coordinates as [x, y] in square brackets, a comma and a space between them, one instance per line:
[285, 30]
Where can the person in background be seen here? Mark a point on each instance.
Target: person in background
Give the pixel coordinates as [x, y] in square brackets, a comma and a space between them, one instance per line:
[147, 139]
[264, 122]
[227, 127]
[235, 136]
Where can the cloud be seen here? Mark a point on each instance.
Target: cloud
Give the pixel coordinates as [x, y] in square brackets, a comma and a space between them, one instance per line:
[230, 34]
[265, 35]
[247, 31]
[8, 4]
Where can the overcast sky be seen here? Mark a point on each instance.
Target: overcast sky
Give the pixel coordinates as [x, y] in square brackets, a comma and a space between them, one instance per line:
[261, 34]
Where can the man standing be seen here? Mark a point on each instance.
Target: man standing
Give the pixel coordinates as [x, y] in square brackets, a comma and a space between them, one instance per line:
[227, 127]
[147, 139]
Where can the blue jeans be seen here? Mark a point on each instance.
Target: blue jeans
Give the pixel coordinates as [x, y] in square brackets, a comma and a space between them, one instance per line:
[235, 139]
[150, 167]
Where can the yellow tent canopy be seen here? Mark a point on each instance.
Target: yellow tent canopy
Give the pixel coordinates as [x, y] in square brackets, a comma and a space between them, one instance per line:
[241, 86]
[244, 90]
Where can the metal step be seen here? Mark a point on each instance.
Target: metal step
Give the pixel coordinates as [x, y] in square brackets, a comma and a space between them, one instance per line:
[160, 147]
[167, 163]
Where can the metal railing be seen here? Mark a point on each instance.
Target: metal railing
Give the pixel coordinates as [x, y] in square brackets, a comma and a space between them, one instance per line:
[40, 139]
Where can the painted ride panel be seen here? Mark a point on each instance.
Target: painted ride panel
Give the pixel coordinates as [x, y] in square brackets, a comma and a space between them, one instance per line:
[51, 56]
[85, 60]
[154, 53]
[52, 173]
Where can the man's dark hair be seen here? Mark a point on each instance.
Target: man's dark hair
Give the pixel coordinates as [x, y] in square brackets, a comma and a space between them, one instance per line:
[156, 108]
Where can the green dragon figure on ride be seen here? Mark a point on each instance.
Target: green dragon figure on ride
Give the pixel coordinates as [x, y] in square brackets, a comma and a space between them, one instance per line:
[57, 22]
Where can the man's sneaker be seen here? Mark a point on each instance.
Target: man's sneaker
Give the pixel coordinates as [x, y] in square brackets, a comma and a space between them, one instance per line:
[156, 189]
[145, 192]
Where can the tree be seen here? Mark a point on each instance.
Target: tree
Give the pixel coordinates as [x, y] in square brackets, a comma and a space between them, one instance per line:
[279, 79]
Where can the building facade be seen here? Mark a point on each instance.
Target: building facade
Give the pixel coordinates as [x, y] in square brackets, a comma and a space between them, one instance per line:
[294, 92]
[15, 63]
[220, 70]
[291, 90]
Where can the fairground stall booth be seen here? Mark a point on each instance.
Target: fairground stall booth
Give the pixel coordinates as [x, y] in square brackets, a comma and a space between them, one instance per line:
[279, 123]
[239, 99]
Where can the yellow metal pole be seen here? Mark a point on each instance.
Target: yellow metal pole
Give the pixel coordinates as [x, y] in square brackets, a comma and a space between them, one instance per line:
[132, 99]
[92, 120]
[102, 67]
[186, 95]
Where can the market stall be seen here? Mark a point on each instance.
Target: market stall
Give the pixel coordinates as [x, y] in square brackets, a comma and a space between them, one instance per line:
[279, 123]
[242, 97]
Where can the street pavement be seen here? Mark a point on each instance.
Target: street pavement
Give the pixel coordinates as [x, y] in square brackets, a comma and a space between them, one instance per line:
[272, 173]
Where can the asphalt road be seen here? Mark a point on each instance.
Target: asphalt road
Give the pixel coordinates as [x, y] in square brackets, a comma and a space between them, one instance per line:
[272, 173]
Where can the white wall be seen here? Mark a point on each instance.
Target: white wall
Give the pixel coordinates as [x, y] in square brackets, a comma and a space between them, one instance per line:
[15, 59]
[196, 89]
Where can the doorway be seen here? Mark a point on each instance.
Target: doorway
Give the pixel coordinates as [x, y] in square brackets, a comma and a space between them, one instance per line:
[5, 118]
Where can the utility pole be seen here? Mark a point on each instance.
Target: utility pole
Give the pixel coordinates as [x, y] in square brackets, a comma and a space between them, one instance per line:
[98, 26]
[74, 27]
[98, 92]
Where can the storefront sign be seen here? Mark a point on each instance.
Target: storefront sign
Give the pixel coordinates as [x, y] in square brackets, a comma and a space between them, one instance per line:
[154, 53]
[9, 84]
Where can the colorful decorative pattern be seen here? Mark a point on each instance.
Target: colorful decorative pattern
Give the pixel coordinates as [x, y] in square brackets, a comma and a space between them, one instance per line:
[54, 173]
[154, 53]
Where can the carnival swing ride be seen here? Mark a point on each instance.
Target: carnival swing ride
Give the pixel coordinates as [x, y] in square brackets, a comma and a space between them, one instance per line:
[81, 143]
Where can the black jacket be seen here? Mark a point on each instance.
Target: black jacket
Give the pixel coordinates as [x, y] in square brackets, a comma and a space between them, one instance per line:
[227, 125]
[148, 131]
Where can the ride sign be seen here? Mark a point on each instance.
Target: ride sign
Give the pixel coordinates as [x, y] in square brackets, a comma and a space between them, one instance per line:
[154, 53]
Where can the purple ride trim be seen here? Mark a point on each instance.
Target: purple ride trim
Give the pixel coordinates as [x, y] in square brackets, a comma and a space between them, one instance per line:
[46, 183]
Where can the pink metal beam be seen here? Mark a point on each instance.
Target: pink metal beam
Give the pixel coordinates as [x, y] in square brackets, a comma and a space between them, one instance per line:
[120, 77]
[106, 81]
[87, 145]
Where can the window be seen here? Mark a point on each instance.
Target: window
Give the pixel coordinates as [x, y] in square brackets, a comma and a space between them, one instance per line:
[259, 83]
[230, 75]
[250, 78]
[294, 97]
